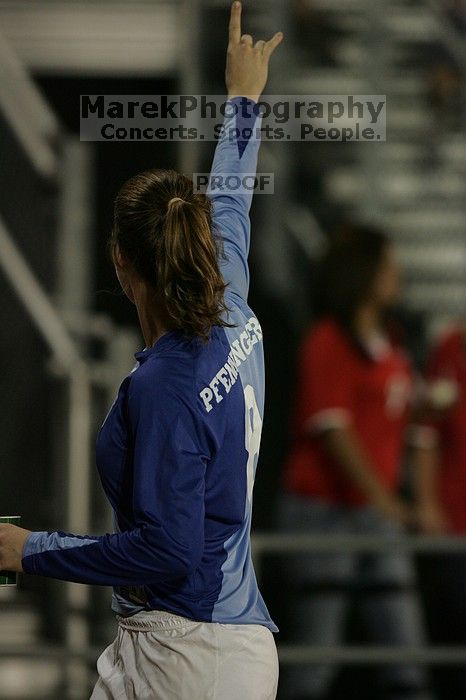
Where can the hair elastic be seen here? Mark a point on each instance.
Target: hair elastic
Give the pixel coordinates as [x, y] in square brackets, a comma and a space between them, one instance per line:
[175, 199]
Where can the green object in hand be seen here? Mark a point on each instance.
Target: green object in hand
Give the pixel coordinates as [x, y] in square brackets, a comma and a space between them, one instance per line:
[9, 578]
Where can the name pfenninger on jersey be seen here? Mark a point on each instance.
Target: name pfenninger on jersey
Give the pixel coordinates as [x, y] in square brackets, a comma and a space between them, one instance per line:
[227, 375]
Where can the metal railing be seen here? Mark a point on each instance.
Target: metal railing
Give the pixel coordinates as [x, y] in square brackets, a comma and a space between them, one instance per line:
[56, 157]
[280, 543]
[28, 114]
[46, 318]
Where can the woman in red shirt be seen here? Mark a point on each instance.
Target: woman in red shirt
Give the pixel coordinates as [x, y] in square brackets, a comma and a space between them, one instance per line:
[343, 473]
[440, 458]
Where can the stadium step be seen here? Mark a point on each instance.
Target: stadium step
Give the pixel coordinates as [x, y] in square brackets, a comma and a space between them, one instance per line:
[22, 678]
[418, 174]
[398, 186]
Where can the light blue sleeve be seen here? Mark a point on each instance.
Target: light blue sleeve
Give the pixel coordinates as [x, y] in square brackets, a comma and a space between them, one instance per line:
[236, 156]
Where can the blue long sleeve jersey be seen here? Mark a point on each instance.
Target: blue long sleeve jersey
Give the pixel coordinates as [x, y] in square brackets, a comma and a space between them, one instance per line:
[178, 450]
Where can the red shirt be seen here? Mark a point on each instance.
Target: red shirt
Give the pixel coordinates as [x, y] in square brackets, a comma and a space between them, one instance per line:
[338, 385]
[448, 361]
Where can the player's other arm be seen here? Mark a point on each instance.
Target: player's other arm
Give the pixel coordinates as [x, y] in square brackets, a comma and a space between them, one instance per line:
[236, 153]
[166, 542]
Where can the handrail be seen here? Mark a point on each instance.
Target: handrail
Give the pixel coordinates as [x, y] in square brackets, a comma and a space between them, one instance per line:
[51, 326]
[287, 653]
[370, 655]
[286, 543]
[36, 301]
[263, 542]
[27, 112]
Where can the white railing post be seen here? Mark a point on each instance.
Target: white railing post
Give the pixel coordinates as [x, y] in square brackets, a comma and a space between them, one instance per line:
[78, 509]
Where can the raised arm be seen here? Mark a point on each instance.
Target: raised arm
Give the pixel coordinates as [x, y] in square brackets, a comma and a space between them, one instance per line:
[245, 77]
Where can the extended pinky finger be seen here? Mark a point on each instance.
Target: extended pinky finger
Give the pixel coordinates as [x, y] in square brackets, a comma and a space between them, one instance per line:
[272, 44]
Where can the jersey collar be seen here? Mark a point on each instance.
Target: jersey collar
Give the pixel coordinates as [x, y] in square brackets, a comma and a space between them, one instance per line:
[165, 341]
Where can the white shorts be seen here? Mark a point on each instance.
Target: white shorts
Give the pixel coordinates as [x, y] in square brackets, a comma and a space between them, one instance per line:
[158, 655]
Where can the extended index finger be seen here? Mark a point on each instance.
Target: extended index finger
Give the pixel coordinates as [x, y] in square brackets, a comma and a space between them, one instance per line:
[234, 30]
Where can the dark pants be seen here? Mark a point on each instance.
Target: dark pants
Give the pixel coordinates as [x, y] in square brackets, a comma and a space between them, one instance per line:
[321, 587]
[443, 579]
